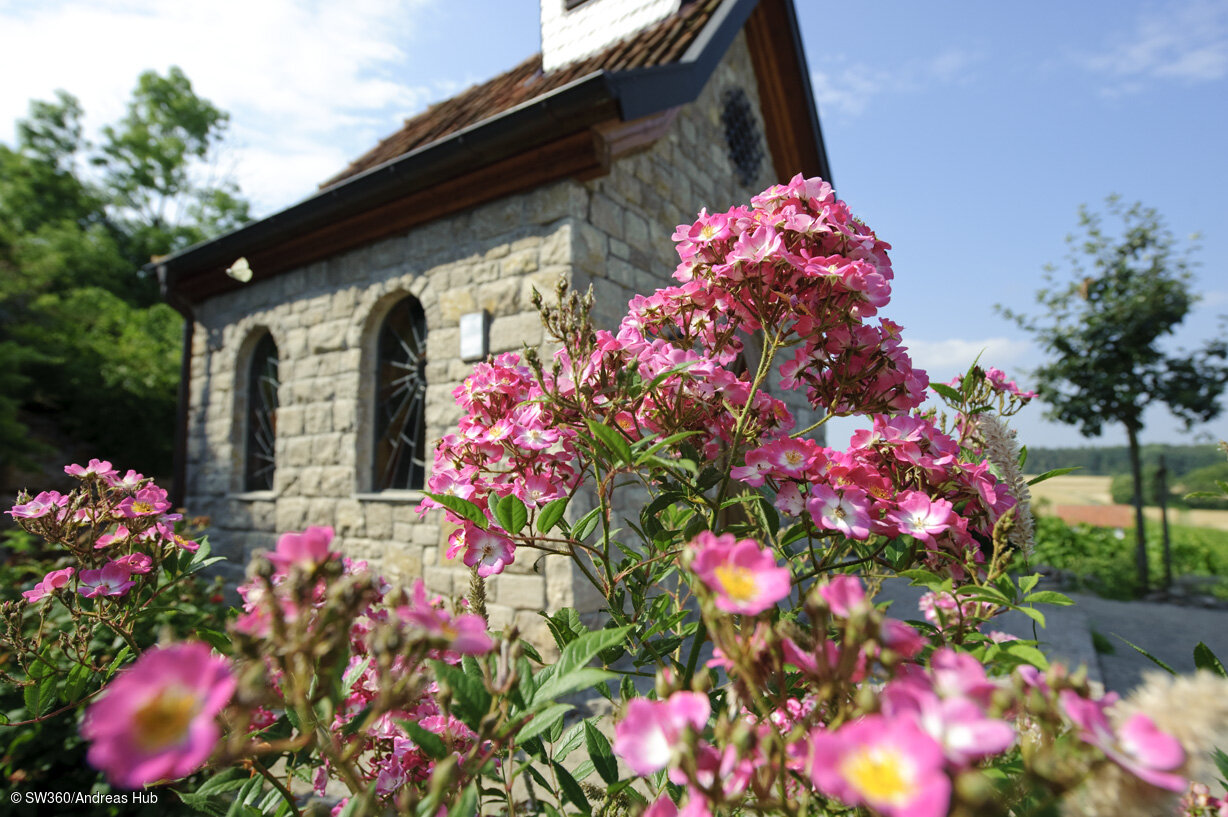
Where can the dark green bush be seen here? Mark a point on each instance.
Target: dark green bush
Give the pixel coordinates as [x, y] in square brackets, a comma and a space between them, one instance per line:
[1101, 560]
[1206, 480]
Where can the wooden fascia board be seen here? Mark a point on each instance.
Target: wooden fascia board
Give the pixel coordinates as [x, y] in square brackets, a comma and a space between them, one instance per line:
[783, 92]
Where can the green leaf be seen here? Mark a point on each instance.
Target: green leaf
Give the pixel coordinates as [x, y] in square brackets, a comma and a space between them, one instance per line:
[1028, 583]
[1056, 472]
[511, 514]
[1149, 657]
[469, 696]
[1049, 597]
[573, 681]
[467, 805]
[586, 647]
[1205, 659]
[39, 696]
[585, 525]
[1026, 653]
[551, 513]
[947, 392]
[542, 721]
[1034, 614]
[215, 639]
[209, 797]
[1221, 763]
[570, 741]
[921, 578]
[659, 444]
[571, 789]
[78, 678]
[428, 742]
[600, 753]
[462, 508]
[612, 440]
[565, 626]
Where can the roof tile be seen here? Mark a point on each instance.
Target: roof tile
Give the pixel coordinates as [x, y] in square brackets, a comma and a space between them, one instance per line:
[659, 44]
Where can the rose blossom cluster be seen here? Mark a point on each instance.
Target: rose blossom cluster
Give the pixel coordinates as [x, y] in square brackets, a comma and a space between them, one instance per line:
[313, 596]
[902, 477]
[117, 528]
[930, 717]
[794, 270]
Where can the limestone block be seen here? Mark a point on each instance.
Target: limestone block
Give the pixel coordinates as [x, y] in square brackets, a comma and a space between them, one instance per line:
[336, 481]
[379, 520]
[637, 232]
[556, 247]
[619, 249]
[321, 511]
[350, 520]
[318, 418]
[606, 215]
[518, 263]
[500, 616]
[550, 203]
[402, 563]
[590, 250]
[326, 448]
[501, 297]
[344, 414]
[292, 513]
[456, 302]
[519, 591]
[513, 332]
[439, 580]
[496, 218]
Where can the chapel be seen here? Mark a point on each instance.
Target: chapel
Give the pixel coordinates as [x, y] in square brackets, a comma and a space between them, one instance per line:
[322, 344]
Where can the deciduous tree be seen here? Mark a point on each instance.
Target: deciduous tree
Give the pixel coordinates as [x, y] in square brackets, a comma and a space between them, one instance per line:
[1103, 322]
[83, 338]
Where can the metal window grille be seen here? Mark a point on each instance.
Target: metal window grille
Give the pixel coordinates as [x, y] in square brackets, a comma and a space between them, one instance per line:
[400, 400]
[262, 382]
[742, 135]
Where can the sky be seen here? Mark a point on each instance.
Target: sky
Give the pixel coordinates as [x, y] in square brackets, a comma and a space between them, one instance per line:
[967, 134]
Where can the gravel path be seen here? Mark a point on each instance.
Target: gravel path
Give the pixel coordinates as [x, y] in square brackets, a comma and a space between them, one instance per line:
[1167, 631]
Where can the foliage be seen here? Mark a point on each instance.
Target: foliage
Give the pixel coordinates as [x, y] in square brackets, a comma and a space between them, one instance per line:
[79, 645]
[1105, 461]
[1102, 324]
[1095, 560]
[82, 335]
[747, 541]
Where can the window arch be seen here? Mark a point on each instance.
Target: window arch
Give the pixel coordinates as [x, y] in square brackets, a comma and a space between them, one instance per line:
[259, 460]
[399, 459]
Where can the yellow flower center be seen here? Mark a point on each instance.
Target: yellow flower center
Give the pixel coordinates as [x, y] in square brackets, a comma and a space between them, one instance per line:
[794, 457]
[142, 507]
[737, 582]
[164, 720]
[879, 774]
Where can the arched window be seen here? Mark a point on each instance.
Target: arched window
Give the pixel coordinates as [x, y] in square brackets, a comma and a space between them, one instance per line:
[259, 459]
[400, 399]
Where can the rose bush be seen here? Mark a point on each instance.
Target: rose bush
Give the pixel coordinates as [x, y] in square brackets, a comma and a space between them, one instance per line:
[736, 555]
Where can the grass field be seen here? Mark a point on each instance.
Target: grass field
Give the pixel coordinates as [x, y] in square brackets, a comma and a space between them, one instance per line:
[1075, 489]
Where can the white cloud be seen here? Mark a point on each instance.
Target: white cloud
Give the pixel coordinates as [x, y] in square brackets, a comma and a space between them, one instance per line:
[309, 85]
[944, 359]
[848, 88]
[1187, 42]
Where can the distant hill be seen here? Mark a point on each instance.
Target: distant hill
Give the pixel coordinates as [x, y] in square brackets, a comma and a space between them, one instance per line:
[1109, 460]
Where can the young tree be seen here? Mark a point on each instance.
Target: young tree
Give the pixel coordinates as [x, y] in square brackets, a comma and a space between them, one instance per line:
[1104, 318]
[83, 338]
